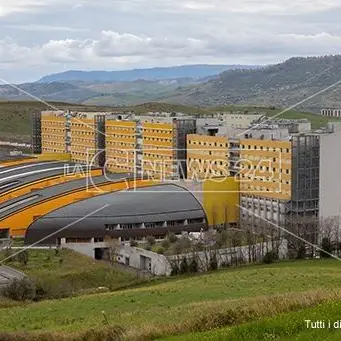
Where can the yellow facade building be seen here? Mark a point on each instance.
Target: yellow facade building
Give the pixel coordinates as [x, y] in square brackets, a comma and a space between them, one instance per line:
[120, 145]
[87, 138]
[207, 156]
[158, 149]
[266, 168]
[53, 132]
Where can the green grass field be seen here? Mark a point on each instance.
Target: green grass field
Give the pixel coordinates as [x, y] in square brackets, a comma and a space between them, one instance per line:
[286, 327]
[180, 305]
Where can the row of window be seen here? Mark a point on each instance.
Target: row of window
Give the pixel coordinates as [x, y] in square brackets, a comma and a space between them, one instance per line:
[50, 131]
[254, 157]
[112, 227]
[249, 187]
[168, 131]
[82, 132]
[49, 124]
[120, 167]
[269, 149]
[128, 129]
[207, 163]
[206, 143]
[262, 178]
[157, 156]
[267, 169]
[53, 144]
[208, 152]
[124, 137]
[157, 139]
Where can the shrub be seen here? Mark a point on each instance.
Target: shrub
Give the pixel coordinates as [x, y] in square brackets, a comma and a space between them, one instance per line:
[148, 248]
[23, 257]
[165, 244]
[171, 237]
[150, 240]
[301, 252]
[160, 250]
[8, 255]
[326, 247]
[175, 270]
[184, 266]
[270, 257]
[213, 262]
[20, 290]
[193, 266]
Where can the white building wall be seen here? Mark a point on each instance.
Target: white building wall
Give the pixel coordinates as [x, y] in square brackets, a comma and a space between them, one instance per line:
[330, 173]
[142, 259]
[241, 121]
[87, 249]
[256, 211]
[159, 265]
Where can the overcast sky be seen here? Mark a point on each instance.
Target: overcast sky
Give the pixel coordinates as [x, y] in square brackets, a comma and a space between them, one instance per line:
[38, 37]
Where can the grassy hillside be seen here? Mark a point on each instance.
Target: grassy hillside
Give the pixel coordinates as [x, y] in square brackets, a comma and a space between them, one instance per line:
[182, 305]
[15, 116]
[283, 85]
[63, 273]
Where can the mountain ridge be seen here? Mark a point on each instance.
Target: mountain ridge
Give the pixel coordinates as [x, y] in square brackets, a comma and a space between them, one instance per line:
[195, 71]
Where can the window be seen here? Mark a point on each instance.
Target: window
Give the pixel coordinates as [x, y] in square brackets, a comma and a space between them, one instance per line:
[126, 226]
[78, 240]
[195, 221]
[110, 227]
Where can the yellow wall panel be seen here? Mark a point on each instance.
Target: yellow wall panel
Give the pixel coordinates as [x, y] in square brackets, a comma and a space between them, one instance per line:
[221, 200]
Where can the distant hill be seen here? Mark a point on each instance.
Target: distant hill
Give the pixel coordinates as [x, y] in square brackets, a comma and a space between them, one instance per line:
[53, 91]
[159, 73]
[283, 85]
[296, 80]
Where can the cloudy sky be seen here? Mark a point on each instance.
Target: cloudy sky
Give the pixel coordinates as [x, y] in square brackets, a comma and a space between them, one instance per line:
[39, 37]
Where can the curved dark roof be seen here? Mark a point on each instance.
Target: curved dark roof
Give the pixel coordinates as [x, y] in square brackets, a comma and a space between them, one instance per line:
[51, 170]
[88, 217]
[12, 206]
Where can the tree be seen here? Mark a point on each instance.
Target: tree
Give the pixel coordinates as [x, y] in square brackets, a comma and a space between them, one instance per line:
[213, 262]
[150, 240]
[326, 247]
[20, 290]
[114, 247]
[193, 266]
[184, 266]
[171, 237]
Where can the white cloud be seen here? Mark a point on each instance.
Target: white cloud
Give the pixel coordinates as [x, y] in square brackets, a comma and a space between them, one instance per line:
[291, 7]
[116, 34]
[128, 49]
